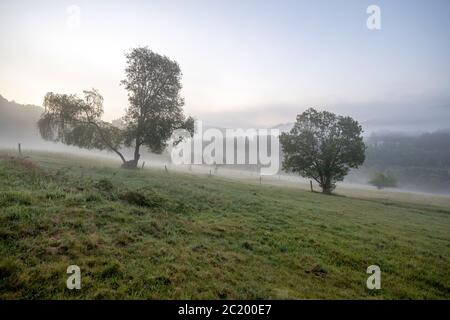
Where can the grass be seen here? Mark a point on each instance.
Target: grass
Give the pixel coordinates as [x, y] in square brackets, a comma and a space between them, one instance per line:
[149, 234]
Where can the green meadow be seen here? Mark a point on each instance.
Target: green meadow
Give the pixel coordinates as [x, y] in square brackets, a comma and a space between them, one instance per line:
[151, 234]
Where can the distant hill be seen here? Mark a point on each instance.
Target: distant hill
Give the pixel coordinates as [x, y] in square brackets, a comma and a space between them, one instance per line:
[284, 127]
[18, 122]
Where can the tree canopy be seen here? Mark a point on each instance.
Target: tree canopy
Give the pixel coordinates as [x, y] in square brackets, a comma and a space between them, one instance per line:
[381, 180]
[75, 121]
[155, 110]
[153, 83]
[323, 146]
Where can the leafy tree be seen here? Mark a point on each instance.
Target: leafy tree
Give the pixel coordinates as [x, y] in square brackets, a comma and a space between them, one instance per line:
[323, 146]
[155, 110]
[153, 83]
[75, 121]
[383, 181]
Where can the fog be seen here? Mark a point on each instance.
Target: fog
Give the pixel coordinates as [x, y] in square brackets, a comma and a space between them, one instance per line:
[18, 125]
[422, 114]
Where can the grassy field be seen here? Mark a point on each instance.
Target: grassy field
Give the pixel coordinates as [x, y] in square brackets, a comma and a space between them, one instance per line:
[149, 234]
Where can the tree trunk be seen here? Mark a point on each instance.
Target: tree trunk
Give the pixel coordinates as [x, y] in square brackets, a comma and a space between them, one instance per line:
[132, 164]
[326, 186]
[136, 151]
[326, 190]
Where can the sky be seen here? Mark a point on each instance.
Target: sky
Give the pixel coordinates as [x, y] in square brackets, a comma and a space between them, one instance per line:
[245, 63]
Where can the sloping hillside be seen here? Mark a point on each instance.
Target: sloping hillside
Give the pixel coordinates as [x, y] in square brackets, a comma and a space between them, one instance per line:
[151, 234]
[18, 123]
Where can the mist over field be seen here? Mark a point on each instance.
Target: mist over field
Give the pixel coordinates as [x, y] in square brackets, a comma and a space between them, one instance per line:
[224, 150]
[404, 146]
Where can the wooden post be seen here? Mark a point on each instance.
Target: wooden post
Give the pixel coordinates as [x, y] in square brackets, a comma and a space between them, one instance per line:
[20, 149]
[143, 164]
[260, 179]
[165, 168]
[310, 184]
[210, 173]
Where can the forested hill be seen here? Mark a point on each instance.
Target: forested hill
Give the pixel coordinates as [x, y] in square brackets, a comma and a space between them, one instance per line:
[397, 149]
[18, 122]
[419, 162]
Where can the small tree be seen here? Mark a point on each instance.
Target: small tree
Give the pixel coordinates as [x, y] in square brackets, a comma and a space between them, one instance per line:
[323, 146]
[381, 181]
[153, 83]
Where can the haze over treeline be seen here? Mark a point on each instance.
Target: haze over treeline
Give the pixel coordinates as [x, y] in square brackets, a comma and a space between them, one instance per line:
[18, 124]
[419, 160]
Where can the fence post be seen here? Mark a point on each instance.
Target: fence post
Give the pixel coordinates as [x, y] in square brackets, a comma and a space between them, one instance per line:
[310, 184]
[20, 149]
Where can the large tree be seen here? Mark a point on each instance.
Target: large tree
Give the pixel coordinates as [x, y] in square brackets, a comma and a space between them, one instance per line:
[323, 146]
[155, 110]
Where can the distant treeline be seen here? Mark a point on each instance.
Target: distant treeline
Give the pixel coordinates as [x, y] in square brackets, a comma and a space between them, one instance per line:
[419, 162]
[18, 122]
[396, 149]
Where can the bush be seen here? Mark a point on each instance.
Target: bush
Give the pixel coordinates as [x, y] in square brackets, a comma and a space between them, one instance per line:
[383, 181]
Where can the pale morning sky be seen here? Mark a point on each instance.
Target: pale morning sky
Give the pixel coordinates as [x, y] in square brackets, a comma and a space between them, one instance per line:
[244, 63]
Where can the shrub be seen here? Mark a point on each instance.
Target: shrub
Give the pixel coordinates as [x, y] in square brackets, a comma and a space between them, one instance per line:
[383, 181]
